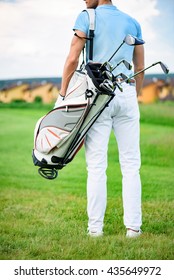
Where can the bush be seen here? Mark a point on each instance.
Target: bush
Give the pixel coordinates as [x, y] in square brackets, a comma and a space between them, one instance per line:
[38, 99]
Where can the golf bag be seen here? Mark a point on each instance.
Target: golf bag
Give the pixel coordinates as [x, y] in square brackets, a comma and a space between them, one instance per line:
[60, 134]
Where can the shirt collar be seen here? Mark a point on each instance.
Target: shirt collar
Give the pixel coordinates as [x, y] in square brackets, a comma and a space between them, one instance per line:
[110, 7]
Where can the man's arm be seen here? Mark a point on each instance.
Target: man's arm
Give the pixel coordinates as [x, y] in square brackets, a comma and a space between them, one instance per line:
[72, 60]
[138, 61]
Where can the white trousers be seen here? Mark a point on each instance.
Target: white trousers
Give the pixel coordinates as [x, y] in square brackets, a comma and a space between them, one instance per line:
[122, 115]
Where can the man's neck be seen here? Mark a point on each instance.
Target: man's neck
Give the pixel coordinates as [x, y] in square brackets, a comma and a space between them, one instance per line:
[104, 2]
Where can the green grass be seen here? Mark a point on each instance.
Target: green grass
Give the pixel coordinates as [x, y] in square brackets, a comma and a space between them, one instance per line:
[41, 219]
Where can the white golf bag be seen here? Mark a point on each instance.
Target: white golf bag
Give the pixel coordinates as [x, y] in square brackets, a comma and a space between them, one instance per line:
[60, 134]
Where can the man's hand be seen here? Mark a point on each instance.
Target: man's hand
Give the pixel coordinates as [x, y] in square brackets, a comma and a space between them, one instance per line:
[59, 100]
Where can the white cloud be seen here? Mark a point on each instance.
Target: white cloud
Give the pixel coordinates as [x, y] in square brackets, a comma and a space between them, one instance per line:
[147, 13]
[34, 29]
[36, 34]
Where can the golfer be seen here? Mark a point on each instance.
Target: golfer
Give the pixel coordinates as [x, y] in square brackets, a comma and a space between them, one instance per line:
[122, 114]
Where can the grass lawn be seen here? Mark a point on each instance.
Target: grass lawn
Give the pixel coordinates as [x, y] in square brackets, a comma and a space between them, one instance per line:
[42, 219]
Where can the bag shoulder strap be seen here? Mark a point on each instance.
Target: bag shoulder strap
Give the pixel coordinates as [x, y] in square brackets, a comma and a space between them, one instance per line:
[91, 14]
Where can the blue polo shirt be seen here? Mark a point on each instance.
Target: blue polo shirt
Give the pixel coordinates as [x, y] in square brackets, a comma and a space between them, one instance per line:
[111, 27]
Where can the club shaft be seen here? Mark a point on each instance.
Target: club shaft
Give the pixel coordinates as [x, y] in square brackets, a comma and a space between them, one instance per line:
[139, 72]
[116, 51]
[117, 65]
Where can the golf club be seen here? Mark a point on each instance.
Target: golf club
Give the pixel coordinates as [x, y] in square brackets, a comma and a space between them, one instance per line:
[107, 85]
[106, 66]
[108, 69]
[108, 75]
[129, 40]
[126, 63]
[123, 76]
[163, 67]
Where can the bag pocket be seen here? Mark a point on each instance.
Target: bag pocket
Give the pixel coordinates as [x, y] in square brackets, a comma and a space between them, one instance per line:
[48, 138]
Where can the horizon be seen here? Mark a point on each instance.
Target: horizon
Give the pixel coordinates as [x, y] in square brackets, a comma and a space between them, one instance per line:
[60, 77]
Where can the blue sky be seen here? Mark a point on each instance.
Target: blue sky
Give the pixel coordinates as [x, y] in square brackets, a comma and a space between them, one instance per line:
[35, 34]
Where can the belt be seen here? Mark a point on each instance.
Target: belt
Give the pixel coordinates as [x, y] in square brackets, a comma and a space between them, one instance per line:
[130, 81]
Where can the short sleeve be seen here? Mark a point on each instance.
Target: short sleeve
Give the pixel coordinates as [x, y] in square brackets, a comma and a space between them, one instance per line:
[138, 27]
[82, 22]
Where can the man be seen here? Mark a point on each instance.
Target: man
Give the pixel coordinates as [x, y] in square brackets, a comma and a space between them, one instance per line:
[122, 115]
